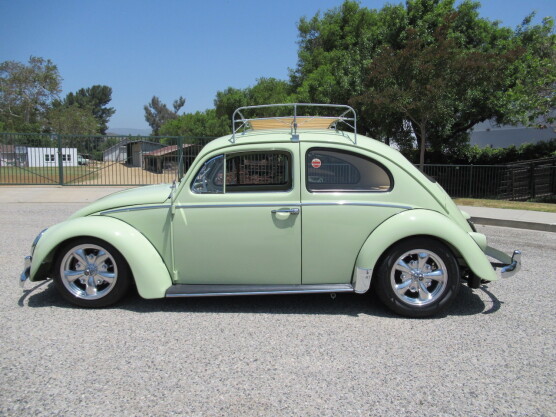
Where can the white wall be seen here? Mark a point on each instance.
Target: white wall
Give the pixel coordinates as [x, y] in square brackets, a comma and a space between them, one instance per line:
[48, 157]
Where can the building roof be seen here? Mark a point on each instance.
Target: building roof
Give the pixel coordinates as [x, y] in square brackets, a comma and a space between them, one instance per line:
[167, 149]
[130, 141]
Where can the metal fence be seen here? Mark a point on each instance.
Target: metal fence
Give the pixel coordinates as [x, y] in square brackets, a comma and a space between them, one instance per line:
[39, 159]
[517, 181]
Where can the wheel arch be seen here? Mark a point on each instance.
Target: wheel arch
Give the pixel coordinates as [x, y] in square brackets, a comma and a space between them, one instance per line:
[421, 223]
[150, 274]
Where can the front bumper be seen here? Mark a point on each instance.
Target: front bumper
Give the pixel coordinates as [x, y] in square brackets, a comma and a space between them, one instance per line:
[509, 266]
[26, 271]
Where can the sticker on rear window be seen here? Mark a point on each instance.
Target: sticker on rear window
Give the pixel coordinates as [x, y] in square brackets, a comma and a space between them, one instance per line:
[316, 163]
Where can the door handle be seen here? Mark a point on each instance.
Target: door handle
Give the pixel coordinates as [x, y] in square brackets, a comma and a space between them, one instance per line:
[288, 211]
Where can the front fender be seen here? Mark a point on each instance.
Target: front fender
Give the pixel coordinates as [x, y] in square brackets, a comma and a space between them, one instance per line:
[420, 222]
[149, 271]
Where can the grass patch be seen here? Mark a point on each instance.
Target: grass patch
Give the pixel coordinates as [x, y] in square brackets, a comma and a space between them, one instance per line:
[516, 205]
[44, 175]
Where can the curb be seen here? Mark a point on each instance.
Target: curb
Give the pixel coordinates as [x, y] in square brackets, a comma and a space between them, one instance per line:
[516, 224]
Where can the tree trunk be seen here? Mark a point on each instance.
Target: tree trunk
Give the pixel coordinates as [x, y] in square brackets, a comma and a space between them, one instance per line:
[422, 150]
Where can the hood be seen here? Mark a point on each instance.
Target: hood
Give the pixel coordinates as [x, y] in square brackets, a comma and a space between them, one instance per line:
[152, 194]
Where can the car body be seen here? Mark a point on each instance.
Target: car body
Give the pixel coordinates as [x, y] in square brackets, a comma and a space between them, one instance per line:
[275, 211]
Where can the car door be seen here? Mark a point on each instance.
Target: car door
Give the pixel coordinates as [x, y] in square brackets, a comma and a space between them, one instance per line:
[238, 220]
[345, 196]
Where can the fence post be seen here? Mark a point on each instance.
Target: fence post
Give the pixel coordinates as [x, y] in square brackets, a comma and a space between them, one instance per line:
[60, 162]
[180, 156]
[470, 194]
[532, 180]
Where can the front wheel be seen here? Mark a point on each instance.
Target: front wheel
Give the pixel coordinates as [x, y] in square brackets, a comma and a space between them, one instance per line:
[91, 273]
[418, 277]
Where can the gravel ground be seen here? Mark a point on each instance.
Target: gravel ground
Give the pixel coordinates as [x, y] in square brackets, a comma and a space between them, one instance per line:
[492, 353]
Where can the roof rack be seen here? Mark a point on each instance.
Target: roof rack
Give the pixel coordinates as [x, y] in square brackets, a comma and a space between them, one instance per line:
[293, 122]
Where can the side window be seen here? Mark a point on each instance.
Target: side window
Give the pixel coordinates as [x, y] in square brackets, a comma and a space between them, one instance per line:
[335, 170]
[209, 179]
[258, 171]
[245, 172]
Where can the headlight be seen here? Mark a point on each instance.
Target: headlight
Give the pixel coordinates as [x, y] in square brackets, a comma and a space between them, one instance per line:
[37, 241]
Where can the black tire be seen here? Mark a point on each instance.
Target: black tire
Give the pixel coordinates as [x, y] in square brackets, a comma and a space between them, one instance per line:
[418, 277]
[90, 272]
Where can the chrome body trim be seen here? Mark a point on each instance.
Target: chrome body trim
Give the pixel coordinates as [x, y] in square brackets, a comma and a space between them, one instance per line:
[200, 206]
[190, 290]
[34, 244]
[509, 266]
[135, 208]
[26, 271]
[514, 267]
[362, 279]
[357, 204]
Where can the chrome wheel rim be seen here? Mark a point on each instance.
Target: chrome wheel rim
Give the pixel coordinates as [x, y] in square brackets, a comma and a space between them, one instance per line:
[89, 271]
[419, 277]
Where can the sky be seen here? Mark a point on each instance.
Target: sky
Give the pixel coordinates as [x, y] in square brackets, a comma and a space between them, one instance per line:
[172, 48]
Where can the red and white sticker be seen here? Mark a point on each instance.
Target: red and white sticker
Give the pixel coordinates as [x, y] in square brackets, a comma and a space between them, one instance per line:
[316, 163]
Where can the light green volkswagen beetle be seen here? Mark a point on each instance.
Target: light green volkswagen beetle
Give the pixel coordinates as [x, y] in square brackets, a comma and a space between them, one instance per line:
[283, 205]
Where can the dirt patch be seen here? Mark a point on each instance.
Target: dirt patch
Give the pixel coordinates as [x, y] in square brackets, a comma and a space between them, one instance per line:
[110, 173]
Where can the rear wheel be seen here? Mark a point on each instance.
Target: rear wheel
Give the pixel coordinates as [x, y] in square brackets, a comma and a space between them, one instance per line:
[91, 273]
[418, 277]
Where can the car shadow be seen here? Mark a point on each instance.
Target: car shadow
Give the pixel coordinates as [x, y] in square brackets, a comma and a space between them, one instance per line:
[467, 303]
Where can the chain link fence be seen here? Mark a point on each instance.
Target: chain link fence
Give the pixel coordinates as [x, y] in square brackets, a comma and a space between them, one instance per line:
[41, 159]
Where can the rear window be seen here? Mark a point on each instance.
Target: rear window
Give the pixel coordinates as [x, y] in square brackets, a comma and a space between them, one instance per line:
[335, 170]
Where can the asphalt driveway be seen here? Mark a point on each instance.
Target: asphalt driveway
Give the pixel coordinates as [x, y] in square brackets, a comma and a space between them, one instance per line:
[492, 353]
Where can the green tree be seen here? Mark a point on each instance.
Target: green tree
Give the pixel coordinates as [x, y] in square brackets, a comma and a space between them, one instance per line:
[26, 92]
[265, 91]
[341, 52]
[72, 120]
[198, 124]
[157, 113]
[441, 88]
[95, 99]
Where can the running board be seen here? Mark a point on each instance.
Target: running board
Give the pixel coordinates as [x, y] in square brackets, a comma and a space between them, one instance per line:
[190, 290]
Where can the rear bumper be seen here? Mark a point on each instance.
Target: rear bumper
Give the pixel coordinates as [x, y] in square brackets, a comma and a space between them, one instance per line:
[509, 266]
[26, 271]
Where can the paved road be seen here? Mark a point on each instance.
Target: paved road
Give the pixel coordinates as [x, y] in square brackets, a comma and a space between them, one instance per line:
[493, 353]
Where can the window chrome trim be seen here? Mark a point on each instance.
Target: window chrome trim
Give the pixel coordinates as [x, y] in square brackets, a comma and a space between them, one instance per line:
[236, 205]
[234, 153]
[352, 153]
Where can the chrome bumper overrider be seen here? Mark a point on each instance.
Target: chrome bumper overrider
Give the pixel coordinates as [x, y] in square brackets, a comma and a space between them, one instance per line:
[509, 266]
[26, 271]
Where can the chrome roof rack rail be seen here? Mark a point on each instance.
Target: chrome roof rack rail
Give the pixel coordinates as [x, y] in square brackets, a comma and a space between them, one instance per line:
[294, 121]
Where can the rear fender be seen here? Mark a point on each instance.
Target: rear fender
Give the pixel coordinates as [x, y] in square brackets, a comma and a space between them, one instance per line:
[149, 271]
[420, 222]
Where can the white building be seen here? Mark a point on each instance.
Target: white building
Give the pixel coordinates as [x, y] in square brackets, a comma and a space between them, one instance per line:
[46, 157]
